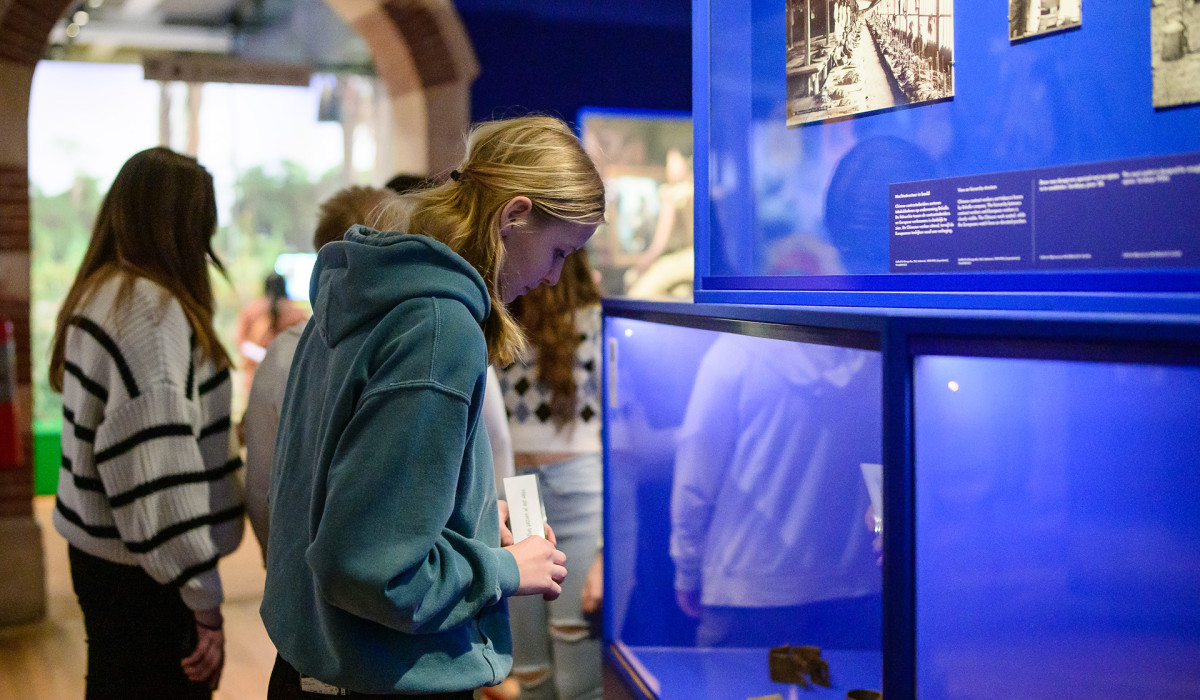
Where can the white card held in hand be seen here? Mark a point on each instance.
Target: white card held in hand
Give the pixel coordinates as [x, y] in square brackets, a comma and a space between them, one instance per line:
[524, 506]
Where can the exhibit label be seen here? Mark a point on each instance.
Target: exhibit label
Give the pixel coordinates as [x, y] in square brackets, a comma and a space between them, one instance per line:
[1137, 213]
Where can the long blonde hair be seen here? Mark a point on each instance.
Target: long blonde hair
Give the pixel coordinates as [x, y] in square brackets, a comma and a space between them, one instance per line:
[156, 222]
[537, 157]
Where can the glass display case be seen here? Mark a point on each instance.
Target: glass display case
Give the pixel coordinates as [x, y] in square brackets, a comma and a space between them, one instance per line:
[737, 502]
[1036, 520]
[993, 211]
[1056, 524]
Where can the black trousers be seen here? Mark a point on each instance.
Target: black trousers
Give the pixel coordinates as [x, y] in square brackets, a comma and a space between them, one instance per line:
[138, 631]
[285, 685]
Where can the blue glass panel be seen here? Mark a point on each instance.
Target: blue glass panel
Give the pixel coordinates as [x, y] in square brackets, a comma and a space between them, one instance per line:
[736, 504]
[809, 203]
[1056, 529]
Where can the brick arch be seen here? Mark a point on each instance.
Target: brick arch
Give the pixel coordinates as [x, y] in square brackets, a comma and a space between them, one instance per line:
[424, 57]
[422, 54]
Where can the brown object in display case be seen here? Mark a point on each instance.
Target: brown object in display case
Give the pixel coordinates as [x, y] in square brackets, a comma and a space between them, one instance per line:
[798, 665]
[864, 695]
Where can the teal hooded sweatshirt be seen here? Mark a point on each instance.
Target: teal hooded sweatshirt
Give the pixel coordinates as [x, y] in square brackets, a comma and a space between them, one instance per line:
[384, 566]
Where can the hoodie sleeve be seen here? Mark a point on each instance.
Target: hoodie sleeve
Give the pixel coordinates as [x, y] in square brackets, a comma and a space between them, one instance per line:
[706, 443]
[382, 549]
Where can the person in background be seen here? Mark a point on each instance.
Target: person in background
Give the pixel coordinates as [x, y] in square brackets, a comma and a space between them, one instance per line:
[261, 321]
[151, 496]
[387, 563]
[403, 183]
[552, 394]
[349, 206]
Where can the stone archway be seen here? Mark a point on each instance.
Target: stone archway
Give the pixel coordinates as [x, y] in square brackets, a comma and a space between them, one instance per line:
[424, 57]
[422, 54]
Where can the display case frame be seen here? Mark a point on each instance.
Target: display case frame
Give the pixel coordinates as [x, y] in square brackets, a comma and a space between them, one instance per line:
[902, 335]
[1147, 132]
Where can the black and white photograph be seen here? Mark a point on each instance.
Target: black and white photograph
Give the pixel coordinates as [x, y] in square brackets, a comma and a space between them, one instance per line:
[1028, 19]
[1174, 57]
[848, 57]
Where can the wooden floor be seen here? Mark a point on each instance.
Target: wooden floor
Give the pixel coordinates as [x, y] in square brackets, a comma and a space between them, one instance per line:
[47, 660]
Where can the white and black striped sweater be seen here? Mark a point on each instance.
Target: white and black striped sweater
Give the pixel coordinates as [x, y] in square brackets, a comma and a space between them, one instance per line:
[149, 475]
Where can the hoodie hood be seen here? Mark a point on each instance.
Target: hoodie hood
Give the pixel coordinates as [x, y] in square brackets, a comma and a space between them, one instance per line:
[361, 278]
[806, 365]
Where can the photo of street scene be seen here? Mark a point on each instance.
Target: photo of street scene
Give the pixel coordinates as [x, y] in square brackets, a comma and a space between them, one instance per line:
[1032, 18]
[847, 57]
[1174, 57]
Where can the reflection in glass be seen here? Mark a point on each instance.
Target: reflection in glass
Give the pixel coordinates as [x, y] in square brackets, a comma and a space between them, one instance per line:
[737, 506]
[768, 500]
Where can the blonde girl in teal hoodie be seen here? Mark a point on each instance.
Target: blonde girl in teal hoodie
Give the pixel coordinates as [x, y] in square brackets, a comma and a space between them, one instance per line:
[388, 565]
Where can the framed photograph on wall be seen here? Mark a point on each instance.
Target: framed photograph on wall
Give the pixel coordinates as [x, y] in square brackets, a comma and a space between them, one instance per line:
[848, 57]
[1029, 19]
[1175, 52]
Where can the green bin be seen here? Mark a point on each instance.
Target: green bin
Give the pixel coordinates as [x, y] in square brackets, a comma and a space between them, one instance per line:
[47, 456]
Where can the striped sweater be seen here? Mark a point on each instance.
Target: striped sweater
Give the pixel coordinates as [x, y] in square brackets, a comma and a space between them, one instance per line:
[149, 476]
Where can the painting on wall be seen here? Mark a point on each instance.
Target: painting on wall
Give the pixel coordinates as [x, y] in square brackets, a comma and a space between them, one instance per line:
[644, 249]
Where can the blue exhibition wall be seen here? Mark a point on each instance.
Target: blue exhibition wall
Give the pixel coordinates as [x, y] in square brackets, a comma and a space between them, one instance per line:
[558, 57]
[798, 212]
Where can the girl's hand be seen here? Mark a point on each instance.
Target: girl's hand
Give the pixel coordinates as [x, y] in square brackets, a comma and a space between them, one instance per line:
[206, 662]
[541, 567]
[506, 536]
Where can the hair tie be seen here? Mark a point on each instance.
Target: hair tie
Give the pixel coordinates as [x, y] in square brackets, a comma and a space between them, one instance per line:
[455, 175]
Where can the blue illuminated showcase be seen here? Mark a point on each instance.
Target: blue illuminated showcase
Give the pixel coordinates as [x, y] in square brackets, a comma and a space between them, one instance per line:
[802, 214]
[736, 507]
[1056, 506]
[960, 241]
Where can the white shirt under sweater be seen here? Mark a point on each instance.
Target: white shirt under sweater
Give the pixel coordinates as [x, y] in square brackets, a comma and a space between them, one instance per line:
[149, 475]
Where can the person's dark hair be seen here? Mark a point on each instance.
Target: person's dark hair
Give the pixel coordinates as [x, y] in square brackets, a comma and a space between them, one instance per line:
[157, 221]
[403, 183]
[547, 315]
[275, 289]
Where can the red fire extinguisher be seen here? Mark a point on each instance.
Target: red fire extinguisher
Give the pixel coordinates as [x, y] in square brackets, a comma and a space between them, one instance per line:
[10, 447]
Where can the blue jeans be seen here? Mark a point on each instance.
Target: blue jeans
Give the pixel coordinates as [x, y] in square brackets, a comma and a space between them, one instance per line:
[556, 652]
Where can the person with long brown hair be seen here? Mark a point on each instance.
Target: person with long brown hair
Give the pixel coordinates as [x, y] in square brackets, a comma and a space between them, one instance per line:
[552, 394]
[150, 496]
[387, 566]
